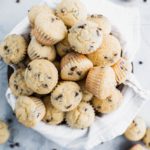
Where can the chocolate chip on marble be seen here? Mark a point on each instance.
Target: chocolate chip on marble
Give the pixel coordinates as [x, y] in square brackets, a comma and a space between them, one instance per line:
[59, 96]
[73, 68]
[70, 73]
[28, 10]
[76, 94]
[67, 107]
[17, 1]
[140, 62]
[79, 73]
[12, 145]
[17, 144]
[9, 120]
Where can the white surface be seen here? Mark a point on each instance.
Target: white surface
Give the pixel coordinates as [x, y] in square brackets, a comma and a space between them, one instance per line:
[11, 13]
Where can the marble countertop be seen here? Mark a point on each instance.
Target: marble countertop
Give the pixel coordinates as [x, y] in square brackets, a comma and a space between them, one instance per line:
[10, 14]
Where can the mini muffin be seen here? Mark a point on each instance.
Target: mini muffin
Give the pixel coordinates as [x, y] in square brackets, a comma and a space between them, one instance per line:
[146, 138]
[122, 68]
[137, 147]
[71, 11]
[136, 130]
[29, 110]
[63, 47]
[18, 85]
[87, 96]
[41, 76]
[81, 117]
[4, 132]
[75, 66]
[49, 29]
[38, 51]
[101, 81]
[35, 10]
[85, 37]
[53, 116]
[108, 54]
[110, 104]
[13, 49]
[66, 96]
[102, 22]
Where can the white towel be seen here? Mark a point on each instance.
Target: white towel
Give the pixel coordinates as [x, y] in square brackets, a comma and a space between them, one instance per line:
[125, 23]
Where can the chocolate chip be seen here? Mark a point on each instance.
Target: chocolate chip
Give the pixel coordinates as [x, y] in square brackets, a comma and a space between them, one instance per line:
[62, 10]
[9, 120]
[73, 68]
[121, 53]
[81, 27]
[67, 107]
[91, 47]
[140, 62]
[16, 86]
[42, 45]
[85, 109]
[144, 0]
[115, 54]
[98, 107]
[97, 32]
[38, 115]
[17, 1]
[17, 144]
[79, 73]
[5, 47]
[28, 10]
[49, 77]
[92, 16]
[105, 57]
[39, 75]
[109, 100]
[29, 67]
[70, 73]
[59, 96]
[8, 50]
[12, 145]
[99, 29]
[111, 33]
[52, 19]
[47, 120]
[45, 85]
[76, 94]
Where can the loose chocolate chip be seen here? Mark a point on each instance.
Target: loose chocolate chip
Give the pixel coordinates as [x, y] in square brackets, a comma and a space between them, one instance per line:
[76, 94]
[102, 142]
[17, 144]
[45, 85]
[70, 73]
[73, 68]
[140, 62]
[9, 120]
[59, 96]
[12, 145]
[29, 67]
[28, 10]
[17, 1]
[5, 47]
[144, 0]
[79, 73]
[115, 54]
[67, 107]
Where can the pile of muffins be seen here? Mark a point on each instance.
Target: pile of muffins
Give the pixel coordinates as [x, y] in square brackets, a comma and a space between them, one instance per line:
[69, 70]
[137, 132]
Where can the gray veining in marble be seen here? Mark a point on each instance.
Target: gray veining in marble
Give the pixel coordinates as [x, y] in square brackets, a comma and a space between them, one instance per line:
[10, 14]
